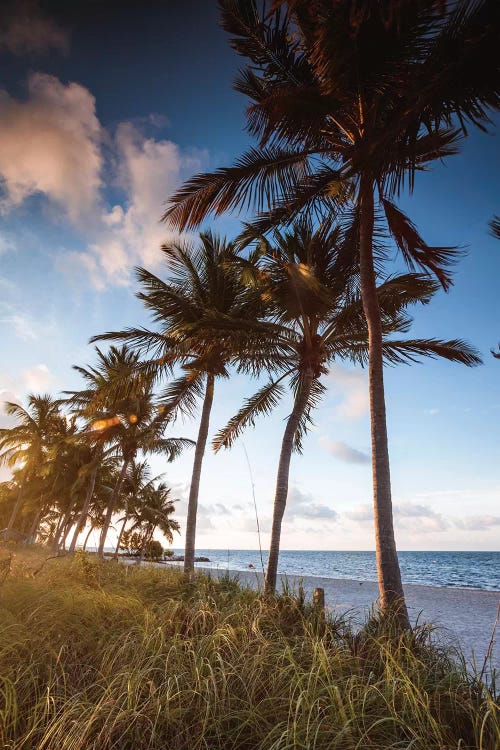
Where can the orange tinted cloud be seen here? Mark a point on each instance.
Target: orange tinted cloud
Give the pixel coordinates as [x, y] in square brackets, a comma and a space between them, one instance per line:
[50, 144]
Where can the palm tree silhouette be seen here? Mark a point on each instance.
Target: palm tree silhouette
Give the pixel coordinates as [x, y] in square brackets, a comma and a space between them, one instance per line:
[315, 317]
[203, 286]
[129, 415]
[26, 444]
[348, 101]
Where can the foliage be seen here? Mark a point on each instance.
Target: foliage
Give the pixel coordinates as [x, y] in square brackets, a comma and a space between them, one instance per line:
[99, 656]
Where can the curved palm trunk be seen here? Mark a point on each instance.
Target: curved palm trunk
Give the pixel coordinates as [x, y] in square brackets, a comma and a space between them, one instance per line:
[195, 478]
[282, 480]
[63, 529]
[85, 542]
[54, 539]
[146, 540]
[117, 549]
[111, 509]
[82, 516]
[389, 575]
[65, 535]
[36, 522]
[15, 510]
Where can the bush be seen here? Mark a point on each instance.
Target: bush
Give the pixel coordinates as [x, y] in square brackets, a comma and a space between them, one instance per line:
[153, 550]
[103, 656]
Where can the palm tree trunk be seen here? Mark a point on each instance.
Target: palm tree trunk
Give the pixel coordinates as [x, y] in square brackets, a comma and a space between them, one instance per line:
[117, 550]
[63, 529]
[82, 516]
[15, 510]
[65, 535]
[195, 478]
[54, 539]
[85, 542]
[111, 509]
[389, 575]
[34, 526]
[281, 494]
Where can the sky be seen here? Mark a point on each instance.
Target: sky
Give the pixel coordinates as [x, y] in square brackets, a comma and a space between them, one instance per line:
[105, 108]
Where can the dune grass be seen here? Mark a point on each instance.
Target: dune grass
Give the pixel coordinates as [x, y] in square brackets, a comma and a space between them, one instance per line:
[104, 655]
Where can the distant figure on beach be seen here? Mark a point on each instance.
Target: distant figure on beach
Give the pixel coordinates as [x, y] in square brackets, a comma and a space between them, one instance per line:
[250, 565]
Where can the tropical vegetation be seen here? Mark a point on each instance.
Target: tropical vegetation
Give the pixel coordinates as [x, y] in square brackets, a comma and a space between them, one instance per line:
[348, 100]
[100, 656]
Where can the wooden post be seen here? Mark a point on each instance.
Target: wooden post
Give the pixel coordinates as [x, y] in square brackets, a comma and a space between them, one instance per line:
[319, 599]
[319, 608]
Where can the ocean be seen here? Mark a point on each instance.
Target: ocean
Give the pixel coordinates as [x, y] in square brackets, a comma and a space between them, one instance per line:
[470, 570]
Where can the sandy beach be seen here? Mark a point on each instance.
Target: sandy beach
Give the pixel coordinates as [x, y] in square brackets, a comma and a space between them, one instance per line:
[464, 617]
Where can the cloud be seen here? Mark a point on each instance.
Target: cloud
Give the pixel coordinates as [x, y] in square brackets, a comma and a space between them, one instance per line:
[37, 379]
[304, 505]
[418, 517]
[21, 325]
[50, 144]
[149, 171]
[344, 452]
[7, 395]
[362, 514]
[478, 523]
[25, 29]
[409, 516]
[351, 388]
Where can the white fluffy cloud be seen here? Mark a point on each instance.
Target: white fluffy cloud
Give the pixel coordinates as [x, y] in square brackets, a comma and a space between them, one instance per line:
[148, 171]
[25, 29]
[50, 144]
[350, 387]
[344, 452]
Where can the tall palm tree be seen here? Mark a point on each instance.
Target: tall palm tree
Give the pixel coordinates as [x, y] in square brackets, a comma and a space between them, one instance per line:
[203, 285]
[348, 100]
[26, 443]
[314, 317]
[129, 415]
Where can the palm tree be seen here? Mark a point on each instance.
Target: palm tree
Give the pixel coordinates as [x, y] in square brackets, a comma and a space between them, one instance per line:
[26, 443]
[154, 510]
[130, 416]
[136, 484]
[314, 317]
[349, 99]
[203, 286]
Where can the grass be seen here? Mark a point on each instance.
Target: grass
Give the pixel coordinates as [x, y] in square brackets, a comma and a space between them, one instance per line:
[103, 655]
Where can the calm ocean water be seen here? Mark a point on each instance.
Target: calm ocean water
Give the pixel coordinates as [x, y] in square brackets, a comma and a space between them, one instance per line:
[472, 570]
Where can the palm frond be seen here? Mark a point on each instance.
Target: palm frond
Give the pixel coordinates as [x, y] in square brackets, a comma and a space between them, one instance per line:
[261, 403]
[415, 251]
[411, 350]
[495, 227]
[256, 180]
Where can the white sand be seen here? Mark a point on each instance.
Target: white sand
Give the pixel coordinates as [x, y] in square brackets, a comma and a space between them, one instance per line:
[464, 617]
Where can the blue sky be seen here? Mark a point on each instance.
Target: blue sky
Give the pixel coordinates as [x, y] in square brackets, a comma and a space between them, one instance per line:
[103, 113]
